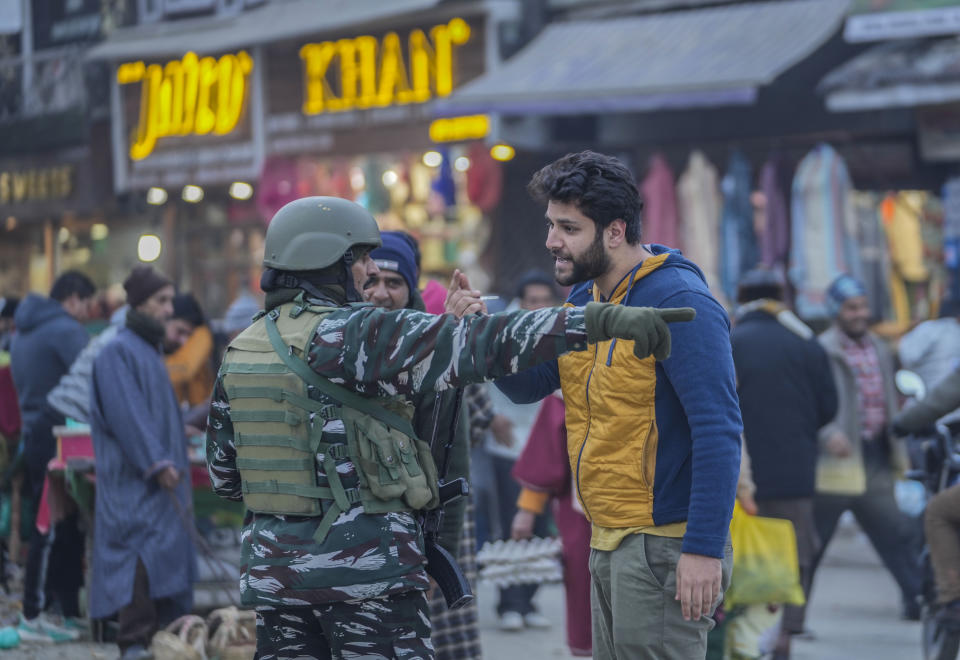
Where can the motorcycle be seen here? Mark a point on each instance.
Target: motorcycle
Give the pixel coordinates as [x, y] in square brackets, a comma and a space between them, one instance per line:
[935, 464]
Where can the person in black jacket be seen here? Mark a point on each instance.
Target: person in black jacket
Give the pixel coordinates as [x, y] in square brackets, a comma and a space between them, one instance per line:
[787, 393]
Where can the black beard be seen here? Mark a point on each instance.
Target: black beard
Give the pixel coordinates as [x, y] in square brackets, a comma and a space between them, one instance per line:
[589, 266]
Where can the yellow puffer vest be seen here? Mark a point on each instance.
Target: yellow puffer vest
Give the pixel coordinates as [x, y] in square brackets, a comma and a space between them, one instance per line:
[611, 424]
[282, 442]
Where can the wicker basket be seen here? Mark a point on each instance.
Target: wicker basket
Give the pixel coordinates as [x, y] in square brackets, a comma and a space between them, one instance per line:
[184, 639]
[234, 634]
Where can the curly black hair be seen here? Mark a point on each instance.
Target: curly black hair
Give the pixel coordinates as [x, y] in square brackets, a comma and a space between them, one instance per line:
[600, 186]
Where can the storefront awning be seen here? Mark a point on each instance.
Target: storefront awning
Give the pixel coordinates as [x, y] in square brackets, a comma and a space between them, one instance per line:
[705, 57]
[273, 21]
[897, 74]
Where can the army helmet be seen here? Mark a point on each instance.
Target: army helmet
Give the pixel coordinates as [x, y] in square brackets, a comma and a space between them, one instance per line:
[316, 232]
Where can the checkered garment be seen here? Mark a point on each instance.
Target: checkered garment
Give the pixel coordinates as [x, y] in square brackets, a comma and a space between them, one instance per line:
[455, 633]
[480, 408]
[865, 363]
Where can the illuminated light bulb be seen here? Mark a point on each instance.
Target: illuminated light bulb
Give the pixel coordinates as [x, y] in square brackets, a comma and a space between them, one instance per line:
[358, 181]
[99, 231]
[390, 178]
[156, 196]
[149, 248]
[432, 159]
[461, 164]
[192, 194]
[241, 190]
[502, 152]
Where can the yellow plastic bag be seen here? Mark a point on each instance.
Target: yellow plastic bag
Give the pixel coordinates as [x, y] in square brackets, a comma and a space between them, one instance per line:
[765, 567]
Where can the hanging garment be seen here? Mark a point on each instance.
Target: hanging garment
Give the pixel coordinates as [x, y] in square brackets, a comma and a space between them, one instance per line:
[823, 244]
[874, 254]
[908, 278]
[699, 201]
[738, 241]
[775, 240]
[932, 234]
[661, 224]
[484, 178]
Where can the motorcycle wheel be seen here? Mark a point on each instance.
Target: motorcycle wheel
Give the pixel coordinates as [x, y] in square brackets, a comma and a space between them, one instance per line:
[939, 642]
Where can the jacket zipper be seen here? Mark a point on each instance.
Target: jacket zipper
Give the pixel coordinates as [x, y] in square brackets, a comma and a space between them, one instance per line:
[643, 456]
[596, 353]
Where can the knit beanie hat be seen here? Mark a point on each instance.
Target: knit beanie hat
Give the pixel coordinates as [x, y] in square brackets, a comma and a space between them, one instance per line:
[186, 307]
[396, 254]
[760, 283]
[842, 289]
[142, 283]
[535, 276]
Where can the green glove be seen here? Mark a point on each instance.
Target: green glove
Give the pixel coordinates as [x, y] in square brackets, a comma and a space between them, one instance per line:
[645, 326]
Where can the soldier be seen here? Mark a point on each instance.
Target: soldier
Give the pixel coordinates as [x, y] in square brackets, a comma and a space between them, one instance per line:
[310, 427]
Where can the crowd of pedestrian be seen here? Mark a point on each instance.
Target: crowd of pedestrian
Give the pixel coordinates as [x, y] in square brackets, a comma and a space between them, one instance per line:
[607, 402]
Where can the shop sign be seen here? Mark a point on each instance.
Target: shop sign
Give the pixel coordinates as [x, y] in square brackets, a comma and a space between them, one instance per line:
[36, 185]
[189, 96]
[458, 129]
[366, 72]
[59, 22]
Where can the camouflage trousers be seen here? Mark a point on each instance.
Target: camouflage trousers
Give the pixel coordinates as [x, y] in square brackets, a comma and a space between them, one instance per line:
[393, 627]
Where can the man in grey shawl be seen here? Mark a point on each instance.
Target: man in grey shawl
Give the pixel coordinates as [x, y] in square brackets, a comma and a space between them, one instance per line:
[143, 557]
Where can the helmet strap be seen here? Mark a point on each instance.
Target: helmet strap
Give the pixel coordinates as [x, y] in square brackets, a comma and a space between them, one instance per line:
[346, 278]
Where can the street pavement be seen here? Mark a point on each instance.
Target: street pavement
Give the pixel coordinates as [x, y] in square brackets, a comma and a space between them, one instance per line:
[854, 615]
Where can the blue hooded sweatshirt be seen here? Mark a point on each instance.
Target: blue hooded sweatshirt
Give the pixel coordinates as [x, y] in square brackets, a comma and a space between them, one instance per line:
[696, 408]
[46, 343]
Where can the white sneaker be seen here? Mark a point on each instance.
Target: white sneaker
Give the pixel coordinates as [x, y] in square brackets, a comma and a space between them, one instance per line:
[536, 620]
[511, 622]
[43, 630]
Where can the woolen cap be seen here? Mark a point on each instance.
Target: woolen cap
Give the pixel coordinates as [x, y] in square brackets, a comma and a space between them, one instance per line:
[142, 283]
[396, 254]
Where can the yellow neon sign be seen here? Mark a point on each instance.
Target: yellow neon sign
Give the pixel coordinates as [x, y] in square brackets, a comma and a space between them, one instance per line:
[39, 184]
[363, 73]
[188, 96]
[456, 129]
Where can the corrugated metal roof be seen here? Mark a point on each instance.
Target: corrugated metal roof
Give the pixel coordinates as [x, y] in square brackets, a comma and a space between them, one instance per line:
[273, 21]
[711, 56]
[896, 74]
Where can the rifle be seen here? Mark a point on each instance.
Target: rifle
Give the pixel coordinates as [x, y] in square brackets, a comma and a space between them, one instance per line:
[441, 565]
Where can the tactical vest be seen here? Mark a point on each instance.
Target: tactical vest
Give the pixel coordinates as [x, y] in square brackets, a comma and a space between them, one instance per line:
[279, 429]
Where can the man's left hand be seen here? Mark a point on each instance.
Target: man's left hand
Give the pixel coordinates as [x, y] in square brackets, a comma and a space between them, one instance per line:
[462, 300]
[699, 581]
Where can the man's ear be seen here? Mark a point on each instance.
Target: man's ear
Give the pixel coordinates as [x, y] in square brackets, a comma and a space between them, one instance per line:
[615, 233]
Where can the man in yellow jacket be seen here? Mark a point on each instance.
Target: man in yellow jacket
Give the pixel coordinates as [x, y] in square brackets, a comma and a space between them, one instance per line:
[654, 446]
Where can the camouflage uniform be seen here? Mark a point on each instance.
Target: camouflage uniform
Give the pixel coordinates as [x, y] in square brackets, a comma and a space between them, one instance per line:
[369, 561]
[375, 628]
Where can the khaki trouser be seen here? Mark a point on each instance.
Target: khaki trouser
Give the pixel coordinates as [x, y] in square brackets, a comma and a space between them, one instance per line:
[635, 615]
[942, 524]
